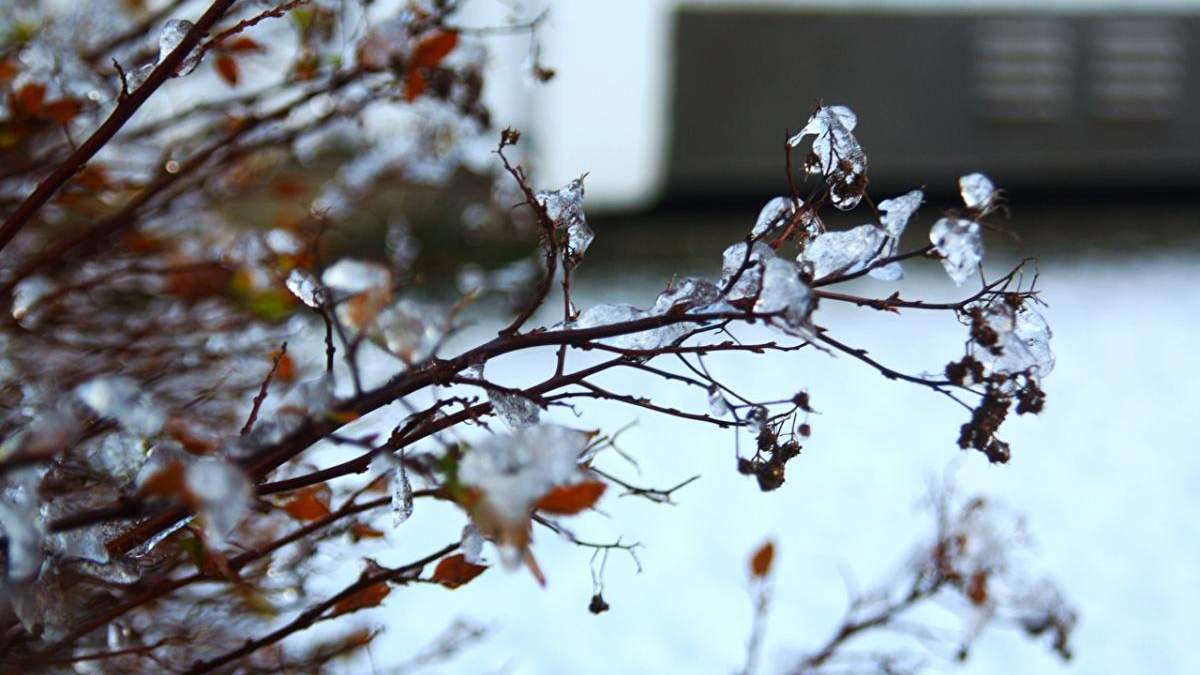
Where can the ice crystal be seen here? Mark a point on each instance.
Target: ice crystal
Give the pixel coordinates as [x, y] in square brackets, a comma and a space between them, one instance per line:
[26, 296]
[516, 410]
[170, 37]
[717, 405]
[564, 207]
[978, 192]
[845, 252]
[123, 400]
[224, 493]
[747, 266]
[512, 472]
[774, 214]
[412, 331]
[960, 243]
[1022, 341]
[401, 490]
[472, 544]
[305, 286]
[836, 154]
[785, 292]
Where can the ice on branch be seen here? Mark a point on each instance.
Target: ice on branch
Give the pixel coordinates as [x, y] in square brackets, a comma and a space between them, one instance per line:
[836, 154]
[26, 296]
[978, 193]
[689, 296]
[401, 490]
[472, 544]
[717, 405]
[510, 473]
[368, 285]
[516, 410]
[774, 214]
[564, 207]
[305, 286]
[845, 252]
[960, 243]
[783, 291]
[170, 37]
[224, 493]
[122, 399]
[746, 266]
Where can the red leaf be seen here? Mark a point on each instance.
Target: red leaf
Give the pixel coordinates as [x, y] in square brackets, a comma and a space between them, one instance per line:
[431, 50]
[977, 590]
[243, 44]
[166, 482]
[63, 110]
[30, 98]
[309, 504]
[454, 571]
[415, 86]
[567, 500]
[760, 562]
[370, 596]
[227, 68]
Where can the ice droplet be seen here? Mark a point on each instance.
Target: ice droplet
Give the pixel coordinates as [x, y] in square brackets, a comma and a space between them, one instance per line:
[401, 491]
[564, 206]
[305, 286]
[225, 494]
[26, 295]
[717, 405]
[472, 544]
[170, 37]
[961, 245]
[1022, 339]
[845, 252]
[978, 192]
[898, 210]
[836, 154]
[774, 214]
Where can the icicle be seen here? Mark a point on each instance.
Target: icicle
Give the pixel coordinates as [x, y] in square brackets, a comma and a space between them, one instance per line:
[402, 493]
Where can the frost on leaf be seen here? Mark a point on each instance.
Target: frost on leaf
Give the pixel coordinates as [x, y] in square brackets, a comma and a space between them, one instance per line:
[564, 206]
[785, 292]
[978, 193]
[510, 473]
[836, 154]
[122, 399]
[747, 267]
[170, 37]
[960, 243]
[223, 493]
[305, 286]
[774, 214]
[845, 252]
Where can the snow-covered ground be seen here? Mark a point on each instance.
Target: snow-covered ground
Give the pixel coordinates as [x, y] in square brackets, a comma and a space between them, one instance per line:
[1108, 476]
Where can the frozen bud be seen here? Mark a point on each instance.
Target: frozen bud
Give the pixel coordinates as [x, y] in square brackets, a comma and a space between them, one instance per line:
[565, 208]
[836, 154]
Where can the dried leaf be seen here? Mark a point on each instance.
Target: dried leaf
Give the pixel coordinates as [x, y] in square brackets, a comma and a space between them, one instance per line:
[760, 563]
[415, 86]
[286, 370]
[360, 531]
[227, 68]
[309, 504]
[431, 50]
[370, 596]
[567, 500]
[167, 482]
[454, 571]
[977, 590]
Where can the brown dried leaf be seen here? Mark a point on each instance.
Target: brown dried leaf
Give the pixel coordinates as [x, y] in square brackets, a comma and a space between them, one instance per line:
[763, 558]
[311, 503]
[567, 500]
[369, 596]
[454, 571]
